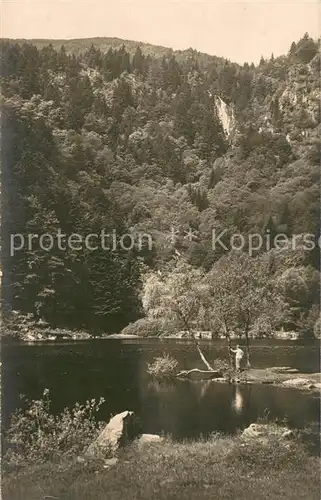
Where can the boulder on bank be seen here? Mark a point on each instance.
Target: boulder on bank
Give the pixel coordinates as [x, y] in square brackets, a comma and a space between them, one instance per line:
[110, 462]
[265, 432]
[150, 438]
[121, 429]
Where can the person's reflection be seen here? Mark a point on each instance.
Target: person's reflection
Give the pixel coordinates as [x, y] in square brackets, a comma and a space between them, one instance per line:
[237, 400]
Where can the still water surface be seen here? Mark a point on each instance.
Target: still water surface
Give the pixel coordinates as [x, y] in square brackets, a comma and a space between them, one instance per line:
[116, 370]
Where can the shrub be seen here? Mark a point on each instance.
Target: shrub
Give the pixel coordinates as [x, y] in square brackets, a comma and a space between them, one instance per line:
[36, 435]
[15, 324]
[224, 367]
[163, 367]
[145, 327]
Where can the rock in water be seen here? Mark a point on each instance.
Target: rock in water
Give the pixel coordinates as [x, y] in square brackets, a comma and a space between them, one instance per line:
[121, 429]
[298, 382]
[283, 369]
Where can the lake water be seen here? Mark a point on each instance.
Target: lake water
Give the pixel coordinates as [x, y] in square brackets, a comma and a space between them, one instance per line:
[116, 370]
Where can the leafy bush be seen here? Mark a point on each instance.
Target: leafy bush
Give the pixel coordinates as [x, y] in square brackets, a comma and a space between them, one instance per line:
[15, 324]
[145, 327]
[36, 435]
[224, 367]
[163, 366]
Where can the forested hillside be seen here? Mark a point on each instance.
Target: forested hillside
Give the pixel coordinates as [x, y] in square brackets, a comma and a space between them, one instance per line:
[99, 135]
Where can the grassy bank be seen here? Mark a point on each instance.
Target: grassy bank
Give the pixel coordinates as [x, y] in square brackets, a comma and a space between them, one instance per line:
[221, 468]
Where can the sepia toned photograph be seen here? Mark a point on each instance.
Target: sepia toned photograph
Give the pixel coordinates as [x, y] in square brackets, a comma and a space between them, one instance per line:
[160, 249]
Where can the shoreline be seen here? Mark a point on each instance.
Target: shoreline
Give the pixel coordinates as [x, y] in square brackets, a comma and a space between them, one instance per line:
[36, 334]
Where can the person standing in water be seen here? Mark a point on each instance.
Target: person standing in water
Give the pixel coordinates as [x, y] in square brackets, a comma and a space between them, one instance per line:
[238, 357]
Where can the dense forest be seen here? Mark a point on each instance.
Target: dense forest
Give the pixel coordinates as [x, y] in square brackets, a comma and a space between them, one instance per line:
[132, 139]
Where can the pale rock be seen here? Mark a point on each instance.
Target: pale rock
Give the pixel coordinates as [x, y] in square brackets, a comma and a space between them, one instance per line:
[110, 462]
[288, 434]
[253, 431]
[150, 438]
[226, 116]
[264, 432]
[283, 369]
[121, 429]
[298, 382]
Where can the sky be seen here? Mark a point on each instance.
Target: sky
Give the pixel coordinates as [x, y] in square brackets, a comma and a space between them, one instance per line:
[239, 31]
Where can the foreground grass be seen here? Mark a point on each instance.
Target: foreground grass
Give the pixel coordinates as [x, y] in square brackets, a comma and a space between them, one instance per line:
[221, 468]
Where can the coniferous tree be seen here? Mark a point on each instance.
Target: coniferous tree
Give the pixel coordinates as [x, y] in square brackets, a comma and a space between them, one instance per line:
[138, 61]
